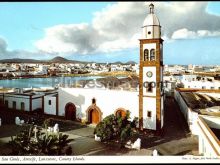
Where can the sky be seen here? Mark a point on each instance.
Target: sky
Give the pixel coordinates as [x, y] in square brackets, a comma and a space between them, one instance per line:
[108, 31]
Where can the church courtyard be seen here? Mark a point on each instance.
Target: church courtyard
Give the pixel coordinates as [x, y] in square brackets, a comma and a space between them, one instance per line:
[176, 139]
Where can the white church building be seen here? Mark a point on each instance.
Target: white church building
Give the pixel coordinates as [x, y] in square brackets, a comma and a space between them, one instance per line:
[93, 104]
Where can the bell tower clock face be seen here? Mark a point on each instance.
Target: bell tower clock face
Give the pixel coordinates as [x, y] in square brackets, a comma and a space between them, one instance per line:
[149, 74]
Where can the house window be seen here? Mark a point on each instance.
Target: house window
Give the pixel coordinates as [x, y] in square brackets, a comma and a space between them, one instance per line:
[188, 86]
[219, 88]
[149, 32]
[212, 88]
[149, 87]
[152, 54]
[146, 55]
[6, 103]
[149, 114]
[14, 104]
[49, 102]
[22, 106]
[203, 87]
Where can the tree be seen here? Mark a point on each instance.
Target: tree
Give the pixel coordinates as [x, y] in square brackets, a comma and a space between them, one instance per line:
[116, 128]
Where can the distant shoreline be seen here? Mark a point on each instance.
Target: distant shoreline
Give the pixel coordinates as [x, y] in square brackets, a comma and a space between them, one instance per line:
[116, 73]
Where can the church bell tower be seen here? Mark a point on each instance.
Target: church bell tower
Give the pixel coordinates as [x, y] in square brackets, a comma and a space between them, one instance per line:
[151, 94]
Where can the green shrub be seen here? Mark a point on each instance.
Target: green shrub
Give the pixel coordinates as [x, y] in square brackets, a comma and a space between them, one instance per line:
[25, 143]
[116, 128]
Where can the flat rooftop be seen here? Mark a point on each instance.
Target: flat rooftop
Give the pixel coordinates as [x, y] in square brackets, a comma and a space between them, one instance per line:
[202, 103]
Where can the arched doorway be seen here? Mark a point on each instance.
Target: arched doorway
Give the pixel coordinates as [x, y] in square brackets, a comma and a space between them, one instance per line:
[70, 111]
[94, 114]
[120, 112]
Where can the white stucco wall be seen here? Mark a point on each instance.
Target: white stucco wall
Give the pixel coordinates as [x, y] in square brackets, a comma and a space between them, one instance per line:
[149, 104]
[190, 116]
[208, 145]
[18, 101]
[50, 109]
[107, 100]
[155, 32]
[36, 103]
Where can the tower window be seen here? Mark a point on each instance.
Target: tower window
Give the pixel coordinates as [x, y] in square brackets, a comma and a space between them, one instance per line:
[49, 102]
[93, 101]
[149, 32]
[152, 54]
[146, 55]
[149, 87]
[149, 114]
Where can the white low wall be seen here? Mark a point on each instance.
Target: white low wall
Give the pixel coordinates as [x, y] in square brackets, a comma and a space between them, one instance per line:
[208, 144]
[190, 116]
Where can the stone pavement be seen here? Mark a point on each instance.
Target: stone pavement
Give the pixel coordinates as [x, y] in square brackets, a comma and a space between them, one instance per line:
[178, 147]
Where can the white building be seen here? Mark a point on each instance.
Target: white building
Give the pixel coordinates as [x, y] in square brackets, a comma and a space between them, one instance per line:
[170, 83]
[26, 100]
[198, 82]
[202, 113]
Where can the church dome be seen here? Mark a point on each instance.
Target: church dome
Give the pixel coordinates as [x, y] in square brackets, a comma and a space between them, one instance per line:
[151, 26]
[151, 20]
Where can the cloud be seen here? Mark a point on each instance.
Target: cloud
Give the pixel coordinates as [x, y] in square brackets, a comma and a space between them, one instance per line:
[187, 34]
[118, 27]
[5, 53]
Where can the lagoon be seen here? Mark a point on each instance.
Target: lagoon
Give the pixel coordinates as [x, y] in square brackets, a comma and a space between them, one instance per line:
[43, 82]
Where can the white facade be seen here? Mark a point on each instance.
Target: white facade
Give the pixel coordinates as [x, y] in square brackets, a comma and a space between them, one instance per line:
[50, 104]
[149, 105]
[148, 80]
[15, 101]
[209, 144]
[107, 100]
[190, 81]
